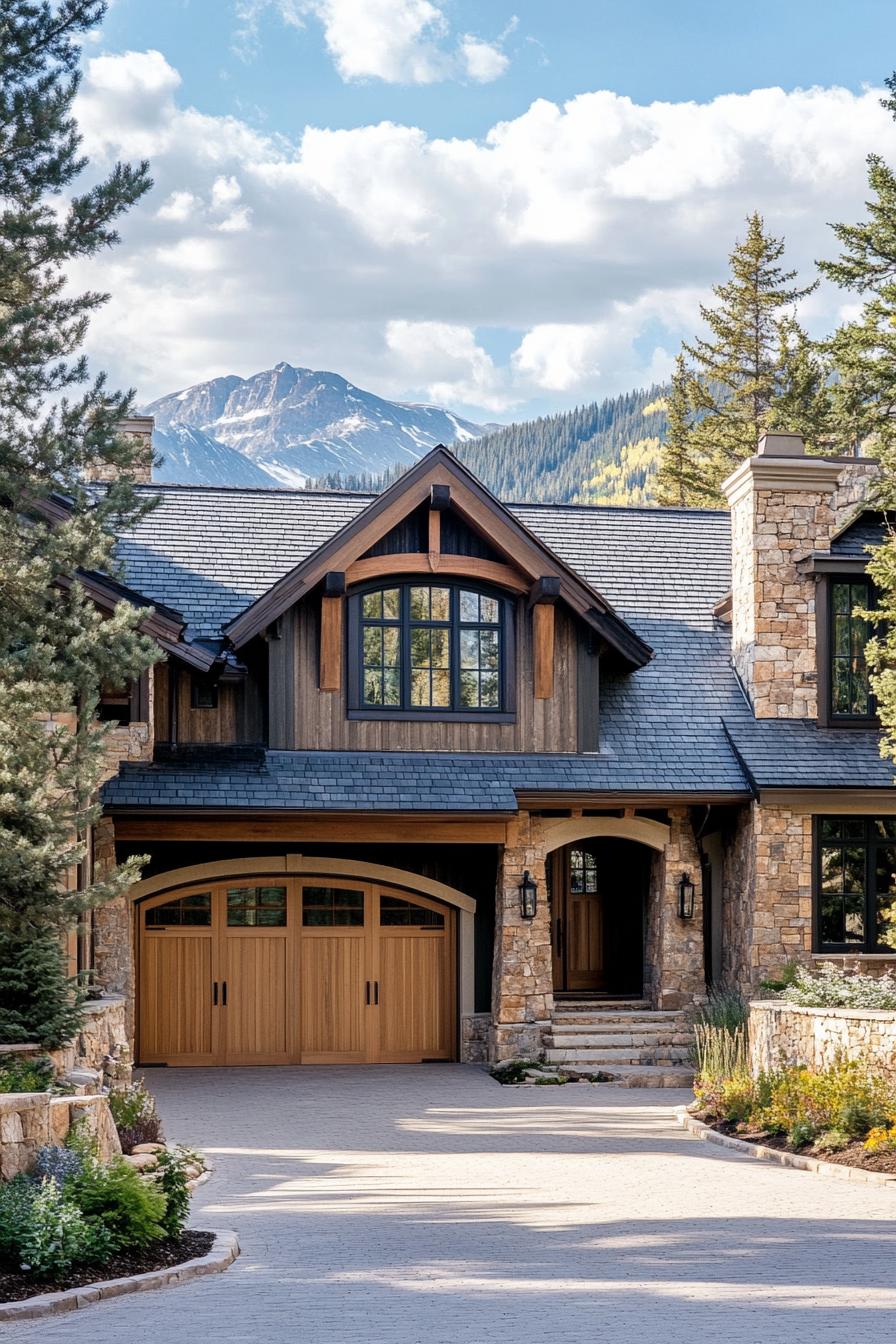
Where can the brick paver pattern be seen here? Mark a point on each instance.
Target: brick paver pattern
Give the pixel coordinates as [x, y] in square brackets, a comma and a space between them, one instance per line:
[429, 1205]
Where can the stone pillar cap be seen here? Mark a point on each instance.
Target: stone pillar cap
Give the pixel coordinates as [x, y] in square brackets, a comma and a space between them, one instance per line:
[781, 444]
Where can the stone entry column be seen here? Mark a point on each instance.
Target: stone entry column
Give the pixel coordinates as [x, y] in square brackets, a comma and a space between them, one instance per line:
[522, 980]
[675, 976]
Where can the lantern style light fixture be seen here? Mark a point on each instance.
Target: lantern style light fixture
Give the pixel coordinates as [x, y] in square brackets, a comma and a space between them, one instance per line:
[685, 897]
[528, 896]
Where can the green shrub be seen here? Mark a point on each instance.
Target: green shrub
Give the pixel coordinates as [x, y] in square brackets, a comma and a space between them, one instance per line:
[737, 1099]
[777, 984]
[132, 1210]
[725, 1008]
[136, 1118]
[832, 1141]
[57, 1235]
[805, 1102]
[16, 1198]
[171, 1176]
[26, 1073]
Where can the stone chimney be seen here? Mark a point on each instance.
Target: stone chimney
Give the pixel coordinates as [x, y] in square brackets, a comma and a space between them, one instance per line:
[139, 428]
[783, 507]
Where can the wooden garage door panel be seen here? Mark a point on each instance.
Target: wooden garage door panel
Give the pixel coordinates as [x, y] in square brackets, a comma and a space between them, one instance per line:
[255, 1020]
[332, 976]
[414, 997]
[176, 998]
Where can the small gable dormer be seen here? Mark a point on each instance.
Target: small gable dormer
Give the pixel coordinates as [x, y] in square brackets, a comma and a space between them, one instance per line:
[436, 621]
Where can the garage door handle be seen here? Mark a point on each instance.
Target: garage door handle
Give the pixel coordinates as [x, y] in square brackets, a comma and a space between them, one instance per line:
[215, 994]
[376, 992]
[224, 993]
[367, 993]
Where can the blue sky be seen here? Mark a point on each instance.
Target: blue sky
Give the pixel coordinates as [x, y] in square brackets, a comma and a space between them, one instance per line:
[510, 208]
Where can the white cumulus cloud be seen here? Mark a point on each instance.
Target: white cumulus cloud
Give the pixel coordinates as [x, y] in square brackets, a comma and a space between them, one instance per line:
[576, 239]
[397, 41]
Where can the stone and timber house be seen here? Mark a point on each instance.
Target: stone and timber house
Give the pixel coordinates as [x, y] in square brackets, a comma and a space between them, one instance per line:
[420, 768]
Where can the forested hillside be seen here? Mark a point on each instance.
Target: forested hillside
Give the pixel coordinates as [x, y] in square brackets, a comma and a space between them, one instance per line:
[605, 452]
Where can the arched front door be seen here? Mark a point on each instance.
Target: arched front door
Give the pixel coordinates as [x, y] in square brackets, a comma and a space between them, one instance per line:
[279, 970]
[597, 892]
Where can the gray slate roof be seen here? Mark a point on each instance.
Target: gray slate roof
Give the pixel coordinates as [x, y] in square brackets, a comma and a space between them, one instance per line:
[209, 551]
[796, 754]
[868, 529]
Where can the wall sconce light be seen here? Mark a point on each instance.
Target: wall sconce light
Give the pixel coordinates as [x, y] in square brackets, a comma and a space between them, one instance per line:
[528, 896]
[685, 897]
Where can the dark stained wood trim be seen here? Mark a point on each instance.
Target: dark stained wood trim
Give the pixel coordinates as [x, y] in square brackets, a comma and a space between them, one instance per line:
[610, 798]
[334, 583]
[457, 566]
[544, 590]
[440, 498]
[344, 828]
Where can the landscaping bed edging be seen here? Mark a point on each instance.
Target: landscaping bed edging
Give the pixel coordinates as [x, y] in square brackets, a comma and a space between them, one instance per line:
[792, 1034]
[783, 1159]
[224, 1251]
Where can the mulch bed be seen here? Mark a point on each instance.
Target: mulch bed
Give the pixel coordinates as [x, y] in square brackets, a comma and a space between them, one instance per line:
[852, 1156]
[16, 1286]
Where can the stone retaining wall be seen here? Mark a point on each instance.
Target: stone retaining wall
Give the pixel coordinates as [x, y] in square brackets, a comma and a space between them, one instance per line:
[474, 1038]
[103, 1035]
[28, 1120]
[789, 1034]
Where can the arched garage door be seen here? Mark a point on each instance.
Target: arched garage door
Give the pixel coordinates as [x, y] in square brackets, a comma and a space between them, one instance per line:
[295, 970]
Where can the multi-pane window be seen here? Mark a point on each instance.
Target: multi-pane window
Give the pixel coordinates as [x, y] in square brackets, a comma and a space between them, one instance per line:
[582, 871]
[856, 884]
[850, 692]
[256, 907]
[431, 647]
[331, 907]
[194, 910]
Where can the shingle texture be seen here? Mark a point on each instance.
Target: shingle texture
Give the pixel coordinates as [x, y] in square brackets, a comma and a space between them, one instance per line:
[869, 529]
[209, 552]
[795, 753]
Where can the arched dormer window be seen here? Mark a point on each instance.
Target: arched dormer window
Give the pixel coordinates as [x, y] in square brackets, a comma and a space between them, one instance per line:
[433, 650]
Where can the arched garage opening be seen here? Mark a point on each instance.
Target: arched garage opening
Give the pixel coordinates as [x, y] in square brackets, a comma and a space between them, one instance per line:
[289, 959]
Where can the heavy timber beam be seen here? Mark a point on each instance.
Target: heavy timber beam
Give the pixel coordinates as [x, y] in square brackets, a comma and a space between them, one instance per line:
[542, 597]
[331, 605]
[412, 562]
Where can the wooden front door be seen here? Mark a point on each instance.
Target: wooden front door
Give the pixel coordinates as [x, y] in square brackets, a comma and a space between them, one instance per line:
[295, 971]
[597, 896]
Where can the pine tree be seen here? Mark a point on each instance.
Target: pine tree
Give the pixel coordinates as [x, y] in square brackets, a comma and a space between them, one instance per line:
[804, 399]
[864, 353]
[737, 368]
[682, 479]
[56, 430]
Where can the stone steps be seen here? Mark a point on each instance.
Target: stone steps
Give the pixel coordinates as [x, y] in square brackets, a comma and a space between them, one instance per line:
[630, 1042]
[623, 1054]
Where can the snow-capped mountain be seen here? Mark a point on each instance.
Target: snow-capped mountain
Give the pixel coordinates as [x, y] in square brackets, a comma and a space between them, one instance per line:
[285, 425]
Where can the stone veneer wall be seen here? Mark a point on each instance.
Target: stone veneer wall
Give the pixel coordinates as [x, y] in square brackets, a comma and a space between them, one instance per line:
[103, 1035]
[522, 977]
[674, 970]
[767, 894]
[113, 935]
[790, 1034]
[475, 1029]
[776, 522]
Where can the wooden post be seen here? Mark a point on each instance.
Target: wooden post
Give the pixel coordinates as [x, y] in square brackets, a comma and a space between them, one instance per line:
[542, 597]
[543, 642]
[331, 605]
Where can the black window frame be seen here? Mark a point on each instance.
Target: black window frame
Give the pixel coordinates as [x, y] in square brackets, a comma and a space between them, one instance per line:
[455, 713]
[201, 685]
[869, 945]
[827, 718]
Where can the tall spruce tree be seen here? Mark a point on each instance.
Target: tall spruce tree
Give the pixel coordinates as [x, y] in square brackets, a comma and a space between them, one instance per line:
[741, 368]
[57, 429]
[864, 353]
[682, 478]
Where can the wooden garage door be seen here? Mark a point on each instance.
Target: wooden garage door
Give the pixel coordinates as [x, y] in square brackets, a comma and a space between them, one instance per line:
[295, 971]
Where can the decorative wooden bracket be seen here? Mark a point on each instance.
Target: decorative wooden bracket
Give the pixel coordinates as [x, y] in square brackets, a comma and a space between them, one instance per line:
[331, 605]
[542, 598]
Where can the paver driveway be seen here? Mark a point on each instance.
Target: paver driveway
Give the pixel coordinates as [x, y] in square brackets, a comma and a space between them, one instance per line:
[429, 1204]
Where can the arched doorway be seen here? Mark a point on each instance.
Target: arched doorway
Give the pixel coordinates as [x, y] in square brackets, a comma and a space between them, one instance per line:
[276, 967]
[598, 896]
